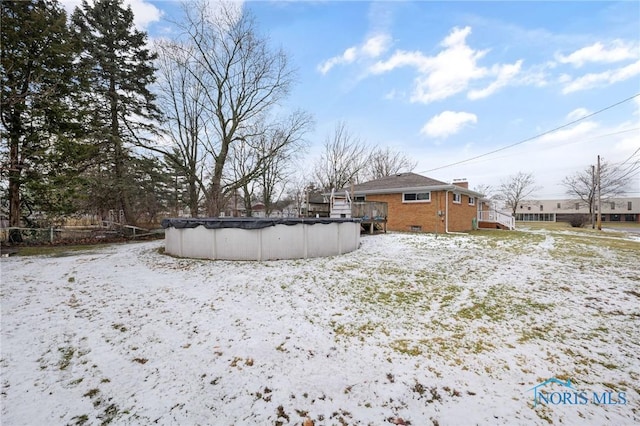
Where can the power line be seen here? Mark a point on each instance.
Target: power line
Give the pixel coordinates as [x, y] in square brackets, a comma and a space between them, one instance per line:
[536, 136]
[569, 143]
[631, 156]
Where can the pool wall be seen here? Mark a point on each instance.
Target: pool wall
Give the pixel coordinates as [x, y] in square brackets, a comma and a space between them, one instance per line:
[299, 240]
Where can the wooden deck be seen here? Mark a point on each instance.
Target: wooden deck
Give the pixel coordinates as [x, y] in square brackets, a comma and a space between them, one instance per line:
[372, 213]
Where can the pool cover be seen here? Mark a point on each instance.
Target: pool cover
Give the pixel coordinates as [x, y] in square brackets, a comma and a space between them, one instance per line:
[248, 222]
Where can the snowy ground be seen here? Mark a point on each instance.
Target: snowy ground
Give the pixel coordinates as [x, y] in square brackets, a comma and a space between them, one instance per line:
[409, 329]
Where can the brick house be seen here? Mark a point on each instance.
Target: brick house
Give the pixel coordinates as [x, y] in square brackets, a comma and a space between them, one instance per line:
[419, 203]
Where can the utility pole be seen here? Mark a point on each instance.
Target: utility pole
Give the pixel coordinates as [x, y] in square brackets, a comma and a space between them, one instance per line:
[599, 199]
[593, 197]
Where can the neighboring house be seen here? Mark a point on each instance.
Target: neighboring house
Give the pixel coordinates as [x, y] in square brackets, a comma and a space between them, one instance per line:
[613, 210]
[234, 206]
[258, 210]
[419, 203]
[316, 205]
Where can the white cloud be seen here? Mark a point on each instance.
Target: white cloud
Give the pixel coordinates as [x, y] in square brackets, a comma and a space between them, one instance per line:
[451, 71]
[399, 59]
[372, 47]
[577, 114]
[376, 46]
[144, 13]
[617, 51]
[605, 78]
[575, 133]
[447, 123]
[505, 74]
[564, 78]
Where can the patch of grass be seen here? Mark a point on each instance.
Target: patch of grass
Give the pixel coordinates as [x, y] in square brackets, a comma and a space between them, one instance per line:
[66, 354]
[58, 251]
[79, 420]
[532, 333]
[119, 327]
[92, 392]
[109, 414]
[404, 347]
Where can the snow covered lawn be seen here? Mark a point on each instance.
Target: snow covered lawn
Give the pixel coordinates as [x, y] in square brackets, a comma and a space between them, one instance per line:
[409, 329]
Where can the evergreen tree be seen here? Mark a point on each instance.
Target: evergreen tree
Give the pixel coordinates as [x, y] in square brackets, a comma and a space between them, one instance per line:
[39, 118]
[119, 70]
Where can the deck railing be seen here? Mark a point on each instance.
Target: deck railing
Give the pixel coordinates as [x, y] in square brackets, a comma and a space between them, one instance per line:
[369, 210]
[496, 216]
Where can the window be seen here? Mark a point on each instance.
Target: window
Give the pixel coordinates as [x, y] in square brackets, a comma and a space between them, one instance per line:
[529, 208]
[457, 198]
[558, 205]
[613, 206]
[472, 201]
[536, 217]
[360, 198]
[541, 207]
[416, 197]
[629, 205]
[577, 206]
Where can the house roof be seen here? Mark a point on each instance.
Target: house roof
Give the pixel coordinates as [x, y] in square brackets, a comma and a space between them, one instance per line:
[317, 199]
[403, 182]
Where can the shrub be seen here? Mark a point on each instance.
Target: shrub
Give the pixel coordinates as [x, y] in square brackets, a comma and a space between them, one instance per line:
[578, 221]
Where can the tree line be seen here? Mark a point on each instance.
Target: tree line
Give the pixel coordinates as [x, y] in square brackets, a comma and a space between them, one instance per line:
[96, 118]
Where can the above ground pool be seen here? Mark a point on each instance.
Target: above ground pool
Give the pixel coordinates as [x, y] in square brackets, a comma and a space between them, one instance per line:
[260, 239]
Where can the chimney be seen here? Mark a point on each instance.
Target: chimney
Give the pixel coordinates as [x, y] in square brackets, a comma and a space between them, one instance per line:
[462, 183]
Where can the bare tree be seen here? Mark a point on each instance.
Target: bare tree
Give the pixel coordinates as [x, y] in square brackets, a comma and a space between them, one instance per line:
[386, 162]
[243, 158]
[485, 189]
[266, 156]
[280, 148]
[583, 184]
[515, 189]
[242, 80]
[182, 101]
[297, 186]
[344, 159]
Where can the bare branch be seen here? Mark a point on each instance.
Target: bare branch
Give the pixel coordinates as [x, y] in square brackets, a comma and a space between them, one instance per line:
[515, 189]
[386, 162]
[344, 159]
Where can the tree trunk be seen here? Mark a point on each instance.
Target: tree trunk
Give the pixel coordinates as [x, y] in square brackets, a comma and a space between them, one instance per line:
[15, 171]
[193, 198]
[213, 205]
[217, 196]
[119, 157]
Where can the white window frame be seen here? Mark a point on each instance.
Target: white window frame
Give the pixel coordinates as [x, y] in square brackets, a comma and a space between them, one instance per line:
[472, 201]
[458, 196]
[428, 200]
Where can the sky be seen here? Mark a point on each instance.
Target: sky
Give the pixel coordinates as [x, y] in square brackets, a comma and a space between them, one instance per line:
[445, 82]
